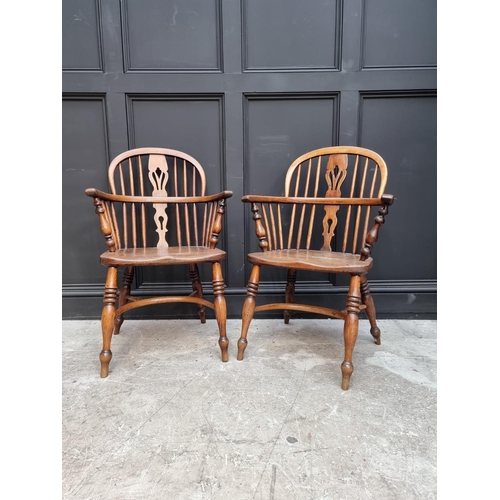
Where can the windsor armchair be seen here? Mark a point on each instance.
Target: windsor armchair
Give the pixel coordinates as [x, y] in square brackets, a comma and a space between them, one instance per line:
[157, 214]
[352, 181]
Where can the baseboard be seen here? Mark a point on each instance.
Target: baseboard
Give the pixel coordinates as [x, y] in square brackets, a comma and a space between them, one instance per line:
[393, 300]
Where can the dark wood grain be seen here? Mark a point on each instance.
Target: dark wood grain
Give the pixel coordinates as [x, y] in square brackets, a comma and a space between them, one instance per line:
[157, 214]
[353, 180]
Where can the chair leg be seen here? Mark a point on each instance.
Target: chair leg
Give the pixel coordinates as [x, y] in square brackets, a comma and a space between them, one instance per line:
[289, 293]
[197, 289]
[108, 318]
[248, 309]
[351, 328]
[220, 308]
[128, 277]
[370, 309]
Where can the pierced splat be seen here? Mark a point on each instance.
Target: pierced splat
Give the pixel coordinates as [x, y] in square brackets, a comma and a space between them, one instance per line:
[158, 176]
[336, 171]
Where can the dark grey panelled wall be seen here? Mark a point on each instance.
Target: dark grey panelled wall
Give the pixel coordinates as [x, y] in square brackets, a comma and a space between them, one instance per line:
[246, 86]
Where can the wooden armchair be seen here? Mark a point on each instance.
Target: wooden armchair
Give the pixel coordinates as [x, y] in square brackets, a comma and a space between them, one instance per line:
[157, 214]
[338, 224]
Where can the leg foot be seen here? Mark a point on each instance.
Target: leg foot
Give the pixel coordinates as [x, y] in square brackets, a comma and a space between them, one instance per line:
[375, 334]
[367, 300]
[248, 309]
[242, 345]
[347, 370]
[105, 358]
[220, 309]
[108, 318]
[351, 325]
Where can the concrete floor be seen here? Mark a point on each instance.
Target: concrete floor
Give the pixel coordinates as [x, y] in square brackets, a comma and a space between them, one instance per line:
[172, 421]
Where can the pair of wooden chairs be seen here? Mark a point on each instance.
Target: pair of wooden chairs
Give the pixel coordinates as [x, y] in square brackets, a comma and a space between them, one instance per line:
[157, 214]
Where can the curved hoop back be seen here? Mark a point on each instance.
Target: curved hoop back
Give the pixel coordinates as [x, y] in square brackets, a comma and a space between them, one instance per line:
[323, 173]
[156, 172]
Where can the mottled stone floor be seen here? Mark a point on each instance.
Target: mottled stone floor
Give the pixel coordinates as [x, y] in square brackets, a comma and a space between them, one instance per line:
[172, 421]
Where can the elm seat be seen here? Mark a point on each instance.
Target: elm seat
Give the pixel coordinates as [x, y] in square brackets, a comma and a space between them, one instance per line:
[162, 256]
[322, 223]
[156, 213]
[312, 260]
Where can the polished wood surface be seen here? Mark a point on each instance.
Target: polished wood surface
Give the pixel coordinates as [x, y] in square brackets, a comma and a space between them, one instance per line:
[327, 220]
[157, 214]
[313, 260]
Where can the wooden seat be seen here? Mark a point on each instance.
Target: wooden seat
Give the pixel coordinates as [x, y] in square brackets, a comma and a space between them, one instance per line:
[162, 256]
[156, 213]
[312, 260]
[326, 221]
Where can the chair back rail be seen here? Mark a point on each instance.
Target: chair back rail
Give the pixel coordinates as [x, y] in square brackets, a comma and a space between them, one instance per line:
[158, 172]
[333, 172]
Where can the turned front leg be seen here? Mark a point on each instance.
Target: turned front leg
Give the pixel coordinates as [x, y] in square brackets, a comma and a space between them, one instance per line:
[220, 308]
[248, 309]
[108, 318]
[367, 300]
[128, 277]
[351, 325]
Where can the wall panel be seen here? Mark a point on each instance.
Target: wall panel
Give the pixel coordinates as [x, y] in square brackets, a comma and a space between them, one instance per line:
[403, 128]
[399, 33]
[84, 163]
[81, 36]
[171, 36]
[291, 34]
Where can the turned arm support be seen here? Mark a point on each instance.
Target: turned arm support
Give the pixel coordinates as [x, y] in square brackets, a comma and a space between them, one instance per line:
[372, 235]
[259, 228]
[102, 212]
[217, 224]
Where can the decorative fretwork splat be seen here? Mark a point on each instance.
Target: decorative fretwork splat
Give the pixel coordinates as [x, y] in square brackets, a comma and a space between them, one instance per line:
[158, 176]
[336, 171]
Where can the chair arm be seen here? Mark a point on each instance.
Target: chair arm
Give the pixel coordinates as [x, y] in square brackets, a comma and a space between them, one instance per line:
[314, 201]
[96, 193]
